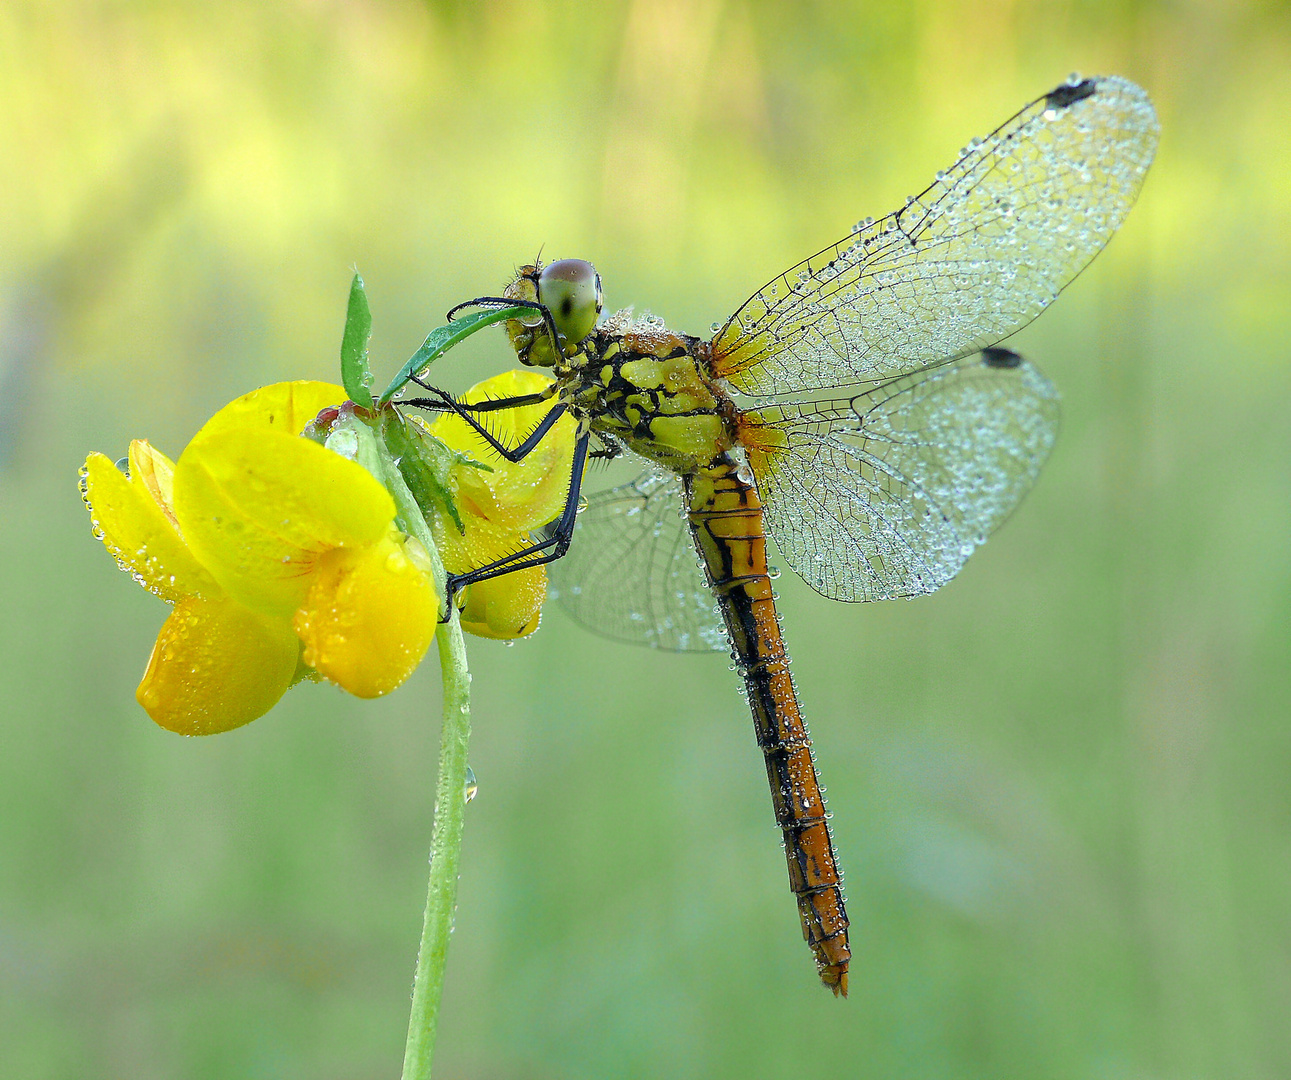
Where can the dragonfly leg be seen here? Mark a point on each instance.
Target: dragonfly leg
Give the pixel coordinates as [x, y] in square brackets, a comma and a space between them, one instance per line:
[548, 320]
[545, 551]
[443, 401]
[607, 452]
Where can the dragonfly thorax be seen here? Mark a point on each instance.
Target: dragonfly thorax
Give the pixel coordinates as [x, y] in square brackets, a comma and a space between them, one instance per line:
[649, 388]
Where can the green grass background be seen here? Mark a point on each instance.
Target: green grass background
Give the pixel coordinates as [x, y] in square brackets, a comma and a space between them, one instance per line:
[1061, 787]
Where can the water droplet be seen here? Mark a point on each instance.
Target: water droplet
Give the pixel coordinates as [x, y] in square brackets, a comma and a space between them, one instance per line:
[471, 786]
[344, 442]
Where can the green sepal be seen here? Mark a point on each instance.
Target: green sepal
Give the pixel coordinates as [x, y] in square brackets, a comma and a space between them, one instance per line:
[443, 338]
[356, 375]
[425, 464]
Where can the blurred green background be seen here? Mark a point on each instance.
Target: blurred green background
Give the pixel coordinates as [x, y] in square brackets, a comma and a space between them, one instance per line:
[1060, 787]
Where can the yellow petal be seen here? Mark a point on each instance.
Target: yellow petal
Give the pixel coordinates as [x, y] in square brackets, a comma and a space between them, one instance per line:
[137, 527]
[517, 496]
[216, 665]
[505, 607]
[259, 507]
[480, 544]
[285, 407]
[370, 615]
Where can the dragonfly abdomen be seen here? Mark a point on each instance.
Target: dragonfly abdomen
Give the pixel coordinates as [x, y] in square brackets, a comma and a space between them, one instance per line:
[726, 520]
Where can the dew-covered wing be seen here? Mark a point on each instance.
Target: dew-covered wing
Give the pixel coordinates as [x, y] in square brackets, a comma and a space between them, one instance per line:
[886, 494]
[632, 573]
[972, 259]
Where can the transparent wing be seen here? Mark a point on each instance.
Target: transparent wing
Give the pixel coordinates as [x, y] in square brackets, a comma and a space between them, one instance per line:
[973, 259]
[886, 494]
[632, 573]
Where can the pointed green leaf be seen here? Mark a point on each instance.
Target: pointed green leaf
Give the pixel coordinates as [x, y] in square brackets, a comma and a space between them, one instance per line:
[356, 376]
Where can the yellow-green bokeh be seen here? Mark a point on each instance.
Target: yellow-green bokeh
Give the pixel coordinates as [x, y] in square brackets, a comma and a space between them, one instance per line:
[1062, 787]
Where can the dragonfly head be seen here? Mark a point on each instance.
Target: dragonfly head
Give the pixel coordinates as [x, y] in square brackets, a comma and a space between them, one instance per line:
[570, 290]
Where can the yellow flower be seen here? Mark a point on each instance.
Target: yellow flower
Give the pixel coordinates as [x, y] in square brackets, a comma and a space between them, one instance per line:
[499, 509]
[280, 557]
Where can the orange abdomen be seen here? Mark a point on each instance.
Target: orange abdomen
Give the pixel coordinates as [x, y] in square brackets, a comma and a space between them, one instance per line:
[726, 520]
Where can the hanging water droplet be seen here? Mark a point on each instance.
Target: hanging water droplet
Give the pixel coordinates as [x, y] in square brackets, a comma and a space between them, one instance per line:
[471, 786]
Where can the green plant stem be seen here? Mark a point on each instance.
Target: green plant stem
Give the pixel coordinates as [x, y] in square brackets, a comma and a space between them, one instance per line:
[445, 852]
[450, 790]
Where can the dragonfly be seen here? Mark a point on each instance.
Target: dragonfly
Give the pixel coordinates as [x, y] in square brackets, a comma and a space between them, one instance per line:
[858, 408]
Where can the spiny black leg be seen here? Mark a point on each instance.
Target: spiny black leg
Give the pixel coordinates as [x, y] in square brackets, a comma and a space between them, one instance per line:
[492, 302]
[546, 550]
[444, 402]
[548, 321]
[607, 451]
[518, 402]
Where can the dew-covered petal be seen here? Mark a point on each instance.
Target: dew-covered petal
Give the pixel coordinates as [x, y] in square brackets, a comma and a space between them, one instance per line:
[217, 665]
[370, 615]
[514, 496]
[505, 607]
[156, 472]
[259, 507]
[138, 529]
[479, 543]
[285, 407]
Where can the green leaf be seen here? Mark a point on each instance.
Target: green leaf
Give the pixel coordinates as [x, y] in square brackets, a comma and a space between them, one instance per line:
[356, 376]
[443, 338]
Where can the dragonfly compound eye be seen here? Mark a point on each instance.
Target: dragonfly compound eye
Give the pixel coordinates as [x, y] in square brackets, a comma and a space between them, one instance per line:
[571, 290]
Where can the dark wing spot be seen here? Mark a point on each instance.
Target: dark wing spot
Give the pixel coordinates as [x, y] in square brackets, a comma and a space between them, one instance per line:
[1070, 93]
[1001, 358]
